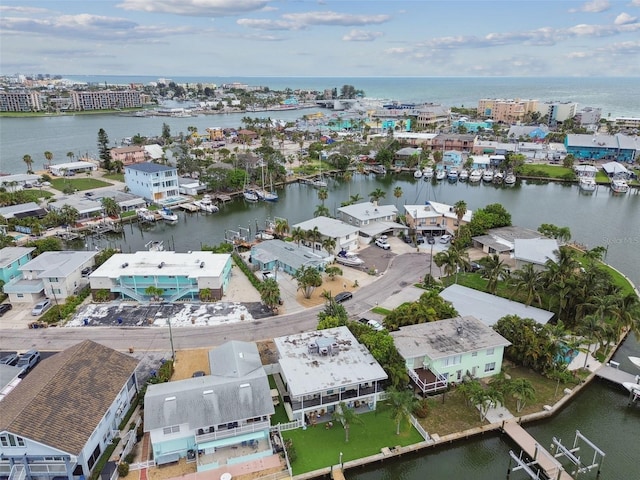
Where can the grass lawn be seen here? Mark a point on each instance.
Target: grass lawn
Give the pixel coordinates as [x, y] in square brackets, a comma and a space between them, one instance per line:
[118, 177]
[317, 447]
[78, 183]
[551, 171]
[34, 195]
[381, 311]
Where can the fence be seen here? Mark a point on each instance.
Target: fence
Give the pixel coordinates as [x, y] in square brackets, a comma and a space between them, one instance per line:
[419, 428]
[281, 427]
[141, 465]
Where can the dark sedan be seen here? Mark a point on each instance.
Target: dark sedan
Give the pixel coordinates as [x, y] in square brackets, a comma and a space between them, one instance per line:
[4, 308]
[343, 297]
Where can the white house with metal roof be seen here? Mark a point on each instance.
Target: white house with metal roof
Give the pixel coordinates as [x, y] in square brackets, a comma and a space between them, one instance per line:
[55, 275]
[156, 183]
[212, 418]
[536, 251]
[490, 308]
[502, 239]
[371, 219]
[16, 182]
[71, 168]
[180, 276]
[322, 368]
[22, 210]
[87, 207]
[11, 259]
[438, 353]
[345, 235]
[289, 257]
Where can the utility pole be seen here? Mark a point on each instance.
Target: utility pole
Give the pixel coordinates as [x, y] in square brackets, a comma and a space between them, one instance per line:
[173, 352]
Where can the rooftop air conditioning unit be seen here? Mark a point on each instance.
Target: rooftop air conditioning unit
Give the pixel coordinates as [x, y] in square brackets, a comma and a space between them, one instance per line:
[201, 264]
[124, 265]
[161, 264]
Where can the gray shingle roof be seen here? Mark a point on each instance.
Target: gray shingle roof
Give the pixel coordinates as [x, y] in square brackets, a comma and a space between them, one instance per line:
[149, 167]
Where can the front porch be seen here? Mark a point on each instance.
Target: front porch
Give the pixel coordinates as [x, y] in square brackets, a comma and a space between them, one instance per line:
[427, 381]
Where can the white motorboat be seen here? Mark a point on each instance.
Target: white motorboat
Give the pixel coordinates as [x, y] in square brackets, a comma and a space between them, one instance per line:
[417, 174]
[349, 259]
[498, 177]
[618, 185]
[264, 235]
[206, 205]
[145, 214]
[250, 195]
[463, 176]
[487, 176]
[475, 176]
[155, 246]
[510, 179]
[427, 173]
[587, 184]
[440, 174]
[452, 175]
[319, 183]
[632, 387]
[167, 215]
[635, 361]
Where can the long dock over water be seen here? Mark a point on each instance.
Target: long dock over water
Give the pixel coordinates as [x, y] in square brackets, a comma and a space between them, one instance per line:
[551, 467]
[612, 373]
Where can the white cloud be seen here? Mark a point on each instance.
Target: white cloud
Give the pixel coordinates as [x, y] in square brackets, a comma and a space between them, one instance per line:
[361, 36]
[214, 8]
[22, 10]
[595, 6]
[263, 24]
[334, 18]
[624, 19]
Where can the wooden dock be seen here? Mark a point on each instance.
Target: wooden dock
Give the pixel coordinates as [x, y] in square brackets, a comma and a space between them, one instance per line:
[612, 373]
[189, 207]
[551, 467]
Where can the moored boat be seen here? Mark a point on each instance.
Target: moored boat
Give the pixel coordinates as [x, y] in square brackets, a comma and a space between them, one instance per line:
[487, 176]
[440, 174]
[145, 214]
[206, 205]
[452, 175]
[427, 173]
[618, 185]
[463, 176]
[417, 174]
[167, 215]
[475, 176]
[250, 195]
[510, 179]
[349, 259]
[498, 177]
[635, 361]
[264, 235]
[587, 184]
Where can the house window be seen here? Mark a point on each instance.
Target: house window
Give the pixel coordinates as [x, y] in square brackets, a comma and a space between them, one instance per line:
[474, 354]
[9, 440]
[490, 351]
[490, 367]
[455, 360]
[169, 430]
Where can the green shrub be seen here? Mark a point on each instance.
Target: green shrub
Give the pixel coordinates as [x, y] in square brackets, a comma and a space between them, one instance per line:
[246, 270]
[422, 409]
[165, 371]
[129, 457]
[123, 469]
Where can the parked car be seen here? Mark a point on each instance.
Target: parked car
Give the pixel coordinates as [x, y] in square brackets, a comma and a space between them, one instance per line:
[420, 239]
[86, 271]
[475, 267]
[4, 308]
[199, 373]
[343, 297]
[445, 238]
[10, 359]
[28, 360]
[383, 244]
[41, 307]
[431, 240]
[375, 325]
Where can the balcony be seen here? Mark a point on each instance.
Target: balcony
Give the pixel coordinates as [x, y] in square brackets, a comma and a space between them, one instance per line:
[232, 432]
[428, 381]
[331, 399]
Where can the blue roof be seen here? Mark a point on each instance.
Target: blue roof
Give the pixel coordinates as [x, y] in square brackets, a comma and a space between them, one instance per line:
[149, 167]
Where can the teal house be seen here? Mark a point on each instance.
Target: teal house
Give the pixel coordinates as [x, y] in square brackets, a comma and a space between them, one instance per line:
[216, 420]
[11, 259]
[447, 351]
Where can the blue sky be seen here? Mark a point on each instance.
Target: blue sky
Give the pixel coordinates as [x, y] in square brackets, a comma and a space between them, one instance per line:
[321, 38]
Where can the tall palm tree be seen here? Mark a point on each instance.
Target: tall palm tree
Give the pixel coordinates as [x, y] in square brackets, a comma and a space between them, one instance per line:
[403, 402]
[377, 195]
[313, 236]
[454, 259]
[348, 176]
[522, 390]
[48, 157]
[29, 161]
[460, 208]
[329, 244]
[529, 280]
[270, 292]
[397, 192]
[281, 227]
[494, 270]
[346, 417]
[70, 155]
[298, 234]
[111, 207]
[323, 194]
[321, 211]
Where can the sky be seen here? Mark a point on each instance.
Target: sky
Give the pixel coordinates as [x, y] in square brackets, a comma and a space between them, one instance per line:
[339, 38]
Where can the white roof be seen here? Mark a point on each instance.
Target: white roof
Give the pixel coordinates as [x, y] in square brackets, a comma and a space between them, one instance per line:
[490, 308]
[154, 151]
[369, 210]
[535, 250]
[614, 168]
[434, 209]
[173, 264]
[72, 165]
[329, 227]
[346, 363]
[58, 264]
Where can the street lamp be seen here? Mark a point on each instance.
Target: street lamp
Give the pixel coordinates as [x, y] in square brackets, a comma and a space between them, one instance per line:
[341, 461]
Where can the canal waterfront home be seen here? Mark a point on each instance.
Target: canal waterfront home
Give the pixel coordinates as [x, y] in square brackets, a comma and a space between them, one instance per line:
[345, 235]
[178, 276]
[212, 418]
[288, 257]
[321, 369]
[11, 259]
[153, 182]
[535, 251]
[445, 351]
[70, 169]
[434, 219]
[64, 414]
[128, 155]
[371, 219]
[502, 239]
[54, 275]
[620, 147]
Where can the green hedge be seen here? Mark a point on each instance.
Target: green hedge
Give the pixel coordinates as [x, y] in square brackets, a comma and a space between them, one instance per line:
[104, 458]
[60, 312]
[247, 271]
[132, 408]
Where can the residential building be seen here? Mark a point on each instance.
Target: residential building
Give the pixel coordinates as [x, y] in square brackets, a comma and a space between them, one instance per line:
[72, 168]
[55, 275]
[288, 257]
[321, 369]
[434, 219]
[588, 116]
[180, 276]
[490, 308]
[407, 157]
[212, 417]
[448, 351]
[156, 183]
[557, 111]
[9, 378]
[416, 139]
[106, 99]
[153, 153]
[506, 110]
[502, 240]
[126, 201]
[432, 115]
[535, 251]
[18, 181]
[128, 155]
[23, 210]
[615, 169]
[88, 208]
[190, 186]
[461, 142]
[11, 259]
[20, 101]
[480, 162]
[344, 234]
[450, 160]
[370, 218]
[59, 419]
[628, 122]
[618, 147]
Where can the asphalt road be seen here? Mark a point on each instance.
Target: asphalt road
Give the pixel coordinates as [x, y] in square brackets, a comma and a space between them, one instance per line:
[403, 270]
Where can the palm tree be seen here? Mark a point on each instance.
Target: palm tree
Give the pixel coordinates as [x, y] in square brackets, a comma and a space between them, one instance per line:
[403, 403]
[298, 234]
[346, 417]
[70, 155]
[29, 161]
[308, 279]
[321, 211]
[377, 195]
[454, 259]
[494, 270]
[154, 292]
[313, 236]
[333, 272]
[460, 208]
[348, 176]
[323, 194]
[270, 293]
[329, 244]
[48, 156]
[529, 280]
[110, 206]
[397, 192]
[522, 390]
[281, 227]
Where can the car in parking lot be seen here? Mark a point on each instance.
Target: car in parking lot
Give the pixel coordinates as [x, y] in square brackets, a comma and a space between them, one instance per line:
[445, 238]
[41, 307]
[4, 308]
[343, 297]
[86, 271]
[475, 267]
[431, 240]
[382, 243]
[10, 359]
[28, 360]
[375, 325]
[420, 239]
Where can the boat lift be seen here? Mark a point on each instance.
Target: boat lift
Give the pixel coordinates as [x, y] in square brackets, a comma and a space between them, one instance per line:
[570, 454]
[539, 472]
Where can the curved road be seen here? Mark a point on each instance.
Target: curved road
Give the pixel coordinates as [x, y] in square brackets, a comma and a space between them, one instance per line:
[403, 270]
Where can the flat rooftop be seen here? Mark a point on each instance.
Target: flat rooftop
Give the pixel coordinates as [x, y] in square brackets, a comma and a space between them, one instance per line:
[173, 264]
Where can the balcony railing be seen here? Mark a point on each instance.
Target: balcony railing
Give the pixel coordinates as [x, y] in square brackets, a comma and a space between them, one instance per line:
[232, 432]
[297, 404]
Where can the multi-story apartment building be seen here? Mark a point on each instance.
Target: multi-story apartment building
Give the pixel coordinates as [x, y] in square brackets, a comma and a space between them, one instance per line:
[106, 99]
[128, 155]
[20, 101]
[588, 116]
[153, 182]
[557, 111]
[506, 111]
